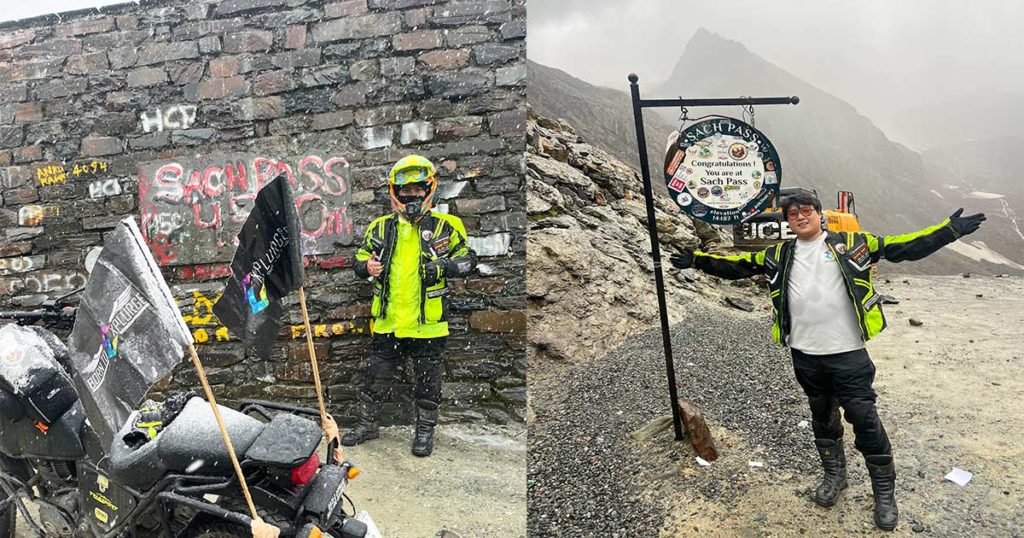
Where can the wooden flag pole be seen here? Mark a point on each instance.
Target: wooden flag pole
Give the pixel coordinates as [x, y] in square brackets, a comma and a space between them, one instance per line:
[223, 429]
[312, 355]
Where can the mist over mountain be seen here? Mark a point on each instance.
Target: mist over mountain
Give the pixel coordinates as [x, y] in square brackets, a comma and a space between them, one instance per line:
[824, 143]
[602, 116]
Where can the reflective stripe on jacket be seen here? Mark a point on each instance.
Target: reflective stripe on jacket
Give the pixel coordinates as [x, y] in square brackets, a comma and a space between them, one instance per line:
[401, 304]
[855, 252]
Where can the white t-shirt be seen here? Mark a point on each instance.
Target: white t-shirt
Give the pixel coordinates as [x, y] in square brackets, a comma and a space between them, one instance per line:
[821, 317]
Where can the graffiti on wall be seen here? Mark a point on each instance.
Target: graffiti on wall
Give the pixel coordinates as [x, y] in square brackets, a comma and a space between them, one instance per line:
[192, 209]
[33, 215]
[206, 327]
[102, 188]
[49, 282]
[51, 174]
[173, 117]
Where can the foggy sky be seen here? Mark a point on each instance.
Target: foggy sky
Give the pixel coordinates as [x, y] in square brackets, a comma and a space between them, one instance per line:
[15, 10]
[881, 56]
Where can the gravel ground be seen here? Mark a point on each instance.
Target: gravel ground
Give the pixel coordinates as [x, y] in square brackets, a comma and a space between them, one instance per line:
[585, 413]
[948, 395]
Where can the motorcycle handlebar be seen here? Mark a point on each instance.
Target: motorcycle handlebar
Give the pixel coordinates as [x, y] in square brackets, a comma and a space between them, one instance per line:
[63, 314]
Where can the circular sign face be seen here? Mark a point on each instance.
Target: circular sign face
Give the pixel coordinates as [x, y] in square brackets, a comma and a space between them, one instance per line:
[723, 171]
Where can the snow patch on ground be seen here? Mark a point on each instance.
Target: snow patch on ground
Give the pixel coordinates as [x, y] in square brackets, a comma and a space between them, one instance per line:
[496, 439]
[936, 193]
[984, 195]
[977, 250]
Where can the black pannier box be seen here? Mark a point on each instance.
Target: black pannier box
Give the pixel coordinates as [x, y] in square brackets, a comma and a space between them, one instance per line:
[31, 371]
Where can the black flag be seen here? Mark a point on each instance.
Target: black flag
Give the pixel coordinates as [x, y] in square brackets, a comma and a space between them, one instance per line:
[128, 333]
[266, 267]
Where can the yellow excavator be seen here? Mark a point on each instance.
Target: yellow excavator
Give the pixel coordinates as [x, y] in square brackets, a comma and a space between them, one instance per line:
[770, 226]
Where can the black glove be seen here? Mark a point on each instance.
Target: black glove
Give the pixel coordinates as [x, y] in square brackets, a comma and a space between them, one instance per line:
[683, 260]
[965, 225]
[434, 271]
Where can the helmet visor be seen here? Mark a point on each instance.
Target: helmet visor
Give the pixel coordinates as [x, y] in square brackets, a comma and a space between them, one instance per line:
[413, 174]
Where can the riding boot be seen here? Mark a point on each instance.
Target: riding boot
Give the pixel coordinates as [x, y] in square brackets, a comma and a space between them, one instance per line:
[366, 427]
[833, 460]
[883, 485]
[426, 419]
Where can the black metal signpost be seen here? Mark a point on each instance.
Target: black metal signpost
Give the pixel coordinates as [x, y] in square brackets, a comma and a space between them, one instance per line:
[641, 142]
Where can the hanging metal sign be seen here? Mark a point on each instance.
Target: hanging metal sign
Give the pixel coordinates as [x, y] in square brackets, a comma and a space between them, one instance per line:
[723, 171]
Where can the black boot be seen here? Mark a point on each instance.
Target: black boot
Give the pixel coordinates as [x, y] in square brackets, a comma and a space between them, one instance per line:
[366, 424]
[833, 460]
[426, 419]
[883, 485]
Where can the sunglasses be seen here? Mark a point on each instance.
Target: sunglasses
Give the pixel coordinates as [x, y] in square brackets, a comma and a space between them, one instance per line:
[411, 175]
[804, 210]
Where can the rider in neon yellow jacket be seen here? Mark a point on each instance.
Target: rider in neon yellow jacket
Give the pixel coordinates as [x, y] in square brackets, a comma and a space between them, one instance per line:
[409, 254]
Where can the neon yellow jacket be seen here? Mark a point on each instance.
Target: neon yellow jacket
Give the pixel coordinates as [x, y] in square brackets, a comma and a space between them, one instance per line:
[432, 251]
[855, 252]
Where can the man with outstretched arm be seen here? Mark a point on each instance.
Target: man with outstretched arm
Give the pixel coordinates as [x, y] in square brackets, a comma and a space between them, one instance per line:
[825, 308]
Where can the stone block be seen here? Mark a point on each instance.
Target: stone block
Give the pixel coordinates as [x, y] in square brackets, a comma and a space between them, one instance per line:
[146, 76]
[445, 59]
[273, 82]
[346, 8]
[480, 205]
[491, 245]
[376, 137]
[239, 7]
[84, 64]
[468, 35]
[361, 27]
[457, 84]
[222, 87]
[398, 65]
[514, 75]
[167, 52]
[30, 112]
[489, 53]
[513, 29]
[417, 132]
[11, 135]
[324, 76]
[509, 122]
[459, 127]
[332, 120]
[295, 37]
[248, 41]
[498, 321]
[209, 45]
[383, 114]
[224, 66]
[424, 39]
[78, 28]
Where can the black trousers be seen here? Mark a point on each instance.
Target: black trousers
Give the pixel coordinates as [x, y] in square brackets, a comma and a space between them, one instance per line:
[842, 380]
[389, 351]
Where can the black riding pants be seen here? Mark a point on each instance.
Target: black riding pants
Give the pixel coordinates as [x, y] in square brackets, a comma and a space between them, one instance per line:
[842, 380]
[389, 351]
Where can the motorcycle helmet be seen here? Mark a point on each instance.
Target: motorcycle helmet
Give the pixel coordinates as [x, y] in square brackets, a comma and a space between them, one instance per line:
[410, 170]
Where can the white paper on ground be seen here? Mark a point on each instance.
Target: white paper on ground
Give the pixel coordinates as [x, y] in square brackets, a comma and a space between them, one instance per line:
[703, 462]
[959, 477]
[755, 464]
[371, 528]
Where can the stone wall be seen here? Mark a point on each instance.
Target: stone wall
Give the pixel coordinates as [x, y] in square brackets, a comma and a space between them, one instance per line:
[175, 112]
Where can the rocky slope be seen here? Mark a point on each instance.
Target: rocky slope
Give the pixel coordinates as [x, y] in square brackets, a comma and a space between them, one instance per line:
[590, 281]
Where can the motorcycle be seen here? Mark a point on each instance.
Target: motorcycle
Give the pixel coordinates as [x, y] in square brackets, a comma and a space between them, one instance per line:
[168, 473]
